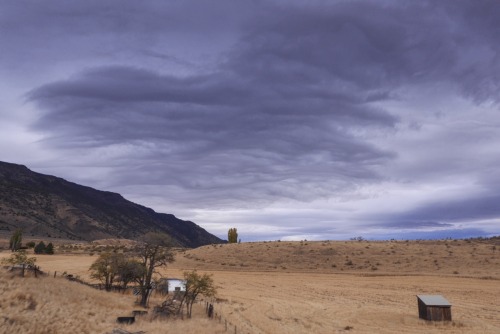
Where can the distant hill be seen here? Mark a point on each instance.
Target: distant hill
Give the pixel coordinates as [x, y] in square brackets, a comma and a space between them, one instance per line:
[44, 205]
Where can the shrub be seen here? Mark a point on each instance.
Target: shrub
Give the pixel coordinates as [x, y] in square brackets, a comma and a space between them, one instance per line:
[40, 248]
[49, 249]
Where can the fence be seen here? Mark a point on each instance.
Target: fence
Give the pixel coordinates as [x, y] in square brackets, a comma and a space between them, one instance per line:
[77, 279]
[217, 316]
[23, 268]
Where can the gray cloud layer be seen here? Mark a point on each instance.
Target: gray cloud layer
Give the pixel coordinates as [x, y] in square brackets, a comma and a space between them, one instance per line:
[249, 105]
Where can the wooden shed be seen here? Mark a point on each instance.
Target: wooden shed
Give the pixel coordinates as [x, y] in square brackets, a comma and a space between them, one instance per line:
[433, 308]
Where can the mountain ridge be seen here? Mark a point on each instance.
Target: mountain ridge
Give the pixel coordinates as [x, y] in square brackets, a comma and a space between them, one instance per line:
[47, 205]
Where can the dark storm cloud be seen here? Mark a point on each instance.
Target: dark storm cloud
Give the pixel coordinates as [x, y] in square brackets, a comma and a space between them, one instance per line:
[218, 124]
[472, 207]
[287, 103]
[56, 36]
[239, 104]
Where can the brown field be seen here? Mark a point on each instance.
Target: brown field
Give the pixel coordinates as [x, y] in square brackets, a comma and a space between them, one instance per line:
[299, 287]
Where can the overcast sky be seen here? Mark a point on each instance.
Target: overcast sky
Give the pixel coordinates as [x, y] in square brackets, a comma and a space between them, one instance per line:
[287, 120]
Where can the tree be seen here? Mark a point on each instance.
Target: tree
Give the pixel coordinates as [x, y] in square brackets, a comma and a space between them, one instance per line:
[16, 240]
[111, 267]
[153, 251]
[232, 236]
[20, 258]
[105, 268]
[49, 249]
[40, 248]
[129, 270]
[30, 244]
[197, 284]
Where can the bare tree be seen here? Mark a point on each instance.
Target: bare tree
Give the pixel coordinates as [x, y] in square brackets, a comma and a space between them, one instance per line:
[153, 251]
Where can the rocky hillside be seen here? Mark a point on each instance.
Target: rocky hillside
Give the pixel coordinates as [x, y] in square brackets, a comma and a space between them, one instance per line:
[44, 205]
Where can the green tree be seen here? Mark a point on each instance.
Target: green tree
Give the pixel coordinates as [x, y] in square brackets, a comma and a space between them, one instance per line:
[16, 240]
[105, 268]
[49, 249]
[40, 248]
[197, 284]
[232, 236]
[153, 251]
[129, 270]
[111, 267]
[20, 258]
[30, 244]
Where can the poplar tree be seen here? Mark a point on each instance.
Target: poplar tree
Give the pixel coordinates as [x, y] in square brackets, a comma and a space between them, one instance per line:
[16, 240]
[232, 236]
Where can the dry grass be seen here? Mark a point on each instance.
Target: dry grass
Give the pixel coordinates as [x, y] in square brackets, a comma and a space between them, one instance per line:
[475, 258]
[288, 287]
[48, 305]
[273, 302]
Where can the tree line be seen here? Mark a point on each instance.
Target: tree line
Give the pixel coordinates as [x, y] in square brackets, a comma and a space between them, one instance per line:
[16, 244]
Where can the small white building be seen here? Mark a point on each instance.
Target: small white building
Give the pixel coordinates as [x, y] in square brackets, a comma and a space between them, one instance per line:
[175, 284]
[167, 285]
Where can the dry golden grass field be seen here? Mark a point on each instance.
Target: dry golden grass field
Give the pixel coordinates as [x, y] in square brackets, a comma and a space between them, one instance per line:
[283, 287]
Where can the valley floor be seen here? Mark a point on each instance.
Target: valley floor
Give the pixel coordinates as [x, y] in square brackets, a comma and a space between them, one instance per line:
[264, 302]
[312, 287]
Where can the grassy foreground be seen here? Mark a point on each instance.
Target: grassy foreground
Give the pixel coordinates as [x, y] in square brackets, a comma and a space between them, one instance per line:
[279, 287]
[54, 305]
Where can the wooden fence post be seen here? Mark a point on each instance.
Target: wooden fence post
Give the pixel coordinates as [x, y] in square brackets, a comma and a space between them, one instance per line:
[55, 272]
[225, 323]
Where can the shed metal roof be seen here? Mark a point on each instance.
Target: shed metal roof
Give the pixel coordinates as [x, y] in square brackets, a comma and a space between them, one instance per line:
[433, 300]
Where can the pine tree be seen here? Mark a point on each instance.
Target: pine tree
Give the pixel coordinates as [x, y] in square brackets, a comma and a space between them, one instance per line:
[49, 249]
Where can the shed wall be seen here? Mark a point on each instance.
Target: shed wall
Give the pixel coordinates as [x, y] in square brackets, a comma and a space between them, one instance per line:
[434, 313]
[422, 310]
[437, 313]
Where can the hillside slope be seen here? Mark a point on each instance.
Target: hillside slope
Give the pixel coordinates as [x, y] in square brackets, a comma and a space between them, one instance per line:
[45, 205]
[471, 258]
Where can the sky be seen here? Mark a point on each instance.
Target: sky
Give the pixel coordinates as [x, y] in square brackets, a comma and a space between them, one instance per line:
[287, 120]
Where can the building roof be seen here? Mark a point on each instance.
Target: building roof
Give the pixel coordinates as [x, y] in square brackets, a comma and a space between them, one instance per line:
[433, 300]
